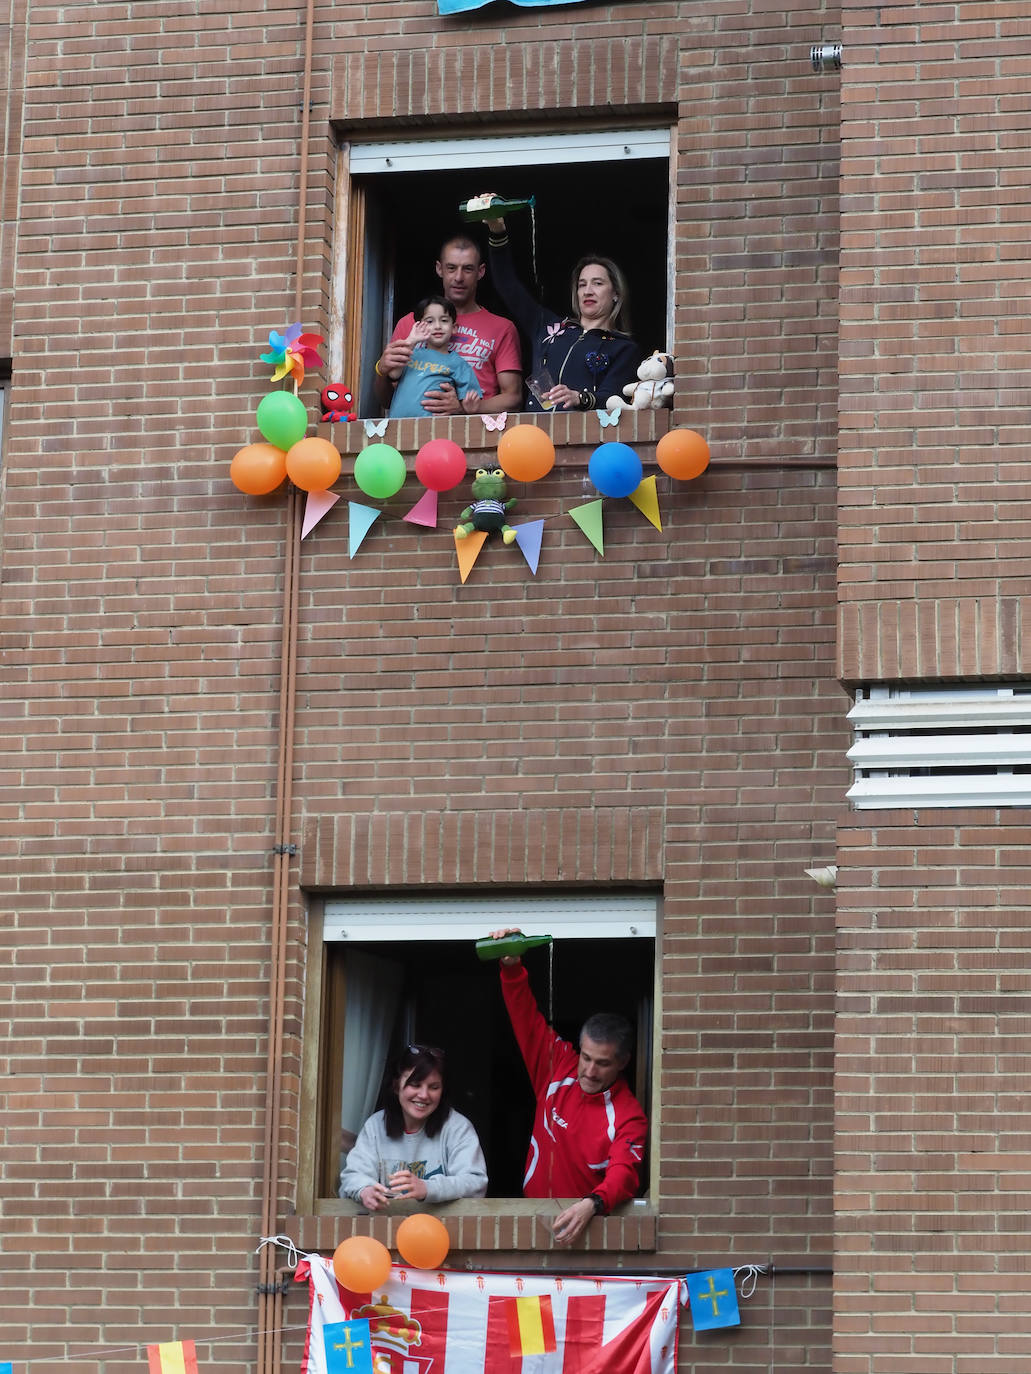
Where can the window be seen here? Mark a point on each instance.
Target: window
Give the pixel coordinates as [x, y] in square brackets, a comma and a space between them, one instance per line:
[404, 970]
[599, 191]
[941, 746]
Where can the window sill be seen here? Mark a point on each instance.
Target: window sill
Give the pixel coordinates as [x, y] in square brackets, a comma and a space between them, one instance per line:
[575, 430]
[491, 1224]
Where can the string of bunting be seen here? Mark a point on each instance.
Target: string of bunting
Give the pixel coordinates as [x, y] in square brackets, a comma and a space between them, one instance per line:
[713, 1297]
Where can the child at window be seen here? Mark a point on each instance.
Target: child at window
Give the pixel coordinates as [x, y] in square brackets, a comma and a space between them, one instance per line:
[431, 366]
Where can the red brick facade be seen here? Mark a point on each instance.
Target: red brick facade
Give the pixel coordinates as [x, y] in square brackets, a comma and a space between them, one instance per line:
[188, 688]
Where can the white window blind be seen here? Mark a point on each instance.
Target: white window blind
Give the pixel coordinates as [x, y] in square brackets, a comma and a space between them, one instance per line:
[469, 917]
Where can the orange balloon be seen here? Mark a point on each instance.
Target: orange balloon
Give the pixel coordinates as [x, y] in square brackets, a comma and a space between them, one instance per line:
[682, 454]
[258, 469]
[423, 1241]
[361, 1264]
[525, 453]
[313, 464]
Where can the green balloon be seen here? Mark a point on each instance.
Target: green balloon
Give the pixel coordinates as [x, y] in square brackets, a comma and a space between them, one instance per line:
[379, 471]
[282, 418]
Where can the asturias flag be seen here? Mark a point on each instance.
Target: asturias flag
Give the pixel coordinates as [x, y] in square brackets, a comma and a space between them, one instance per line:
[429, 1321]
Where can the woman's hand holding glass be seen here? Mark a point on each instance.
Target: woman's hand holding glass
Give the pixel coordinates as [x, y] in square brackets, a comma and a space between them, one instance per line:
[374, 1196]
[406, 1185]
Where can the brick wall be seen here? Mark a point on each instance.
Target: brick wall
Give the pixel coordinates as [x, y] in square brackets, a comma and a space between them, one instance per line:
[687, 677]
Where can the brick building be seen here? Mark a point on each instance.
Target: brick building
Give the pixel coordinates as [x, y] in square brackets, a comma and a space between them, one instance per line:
[237, 764]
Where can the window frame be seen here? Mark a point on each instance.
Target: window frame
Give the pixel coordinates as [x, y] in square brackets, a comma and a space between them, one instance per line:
[323, 1018]
[360, 158]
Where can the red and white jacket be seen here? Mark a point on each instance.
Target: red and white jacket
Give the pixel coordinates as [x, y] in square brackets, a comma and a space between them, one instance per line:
[582, 1143]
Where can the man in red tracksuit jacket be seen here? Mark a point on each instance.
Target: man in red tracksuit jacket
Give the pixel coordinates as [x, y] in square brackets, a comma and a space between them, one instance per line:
[589, 1129]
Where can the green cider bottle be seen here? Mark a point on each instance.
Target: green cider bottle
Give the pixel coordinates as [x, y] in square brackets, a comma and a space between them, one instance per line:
[509, 946]
[492, 207]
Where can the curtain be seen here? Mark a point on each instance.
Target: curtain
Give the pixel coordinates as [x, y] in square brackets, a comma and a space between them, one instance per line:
[373, 992]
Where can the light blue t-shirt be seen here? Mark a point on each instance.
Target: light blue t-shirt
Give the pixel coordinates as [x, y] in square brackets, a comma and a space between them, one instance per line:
[425, 371]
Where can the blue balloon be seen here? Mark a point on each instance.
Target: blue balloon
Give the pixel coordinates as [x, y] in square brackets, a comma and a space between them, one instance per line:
[615, 469]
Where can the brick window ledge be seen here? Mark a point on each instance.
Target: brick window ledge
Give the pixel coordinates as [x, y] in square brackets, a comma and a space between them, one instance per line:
[571, 433]
[490, 1224]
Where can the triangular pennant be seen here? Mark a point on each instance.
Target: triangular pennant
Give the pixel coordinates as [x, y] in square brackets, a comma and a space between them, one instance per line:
[646, 499]
[424, 512]
[528, 537]
[589, 519]
[468, 550]
[318, 504]
[360, 519]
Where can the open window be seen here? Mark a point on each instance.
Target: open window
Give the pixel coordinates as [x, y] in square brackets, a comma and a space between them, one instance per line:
[405, 970]
[603, 191]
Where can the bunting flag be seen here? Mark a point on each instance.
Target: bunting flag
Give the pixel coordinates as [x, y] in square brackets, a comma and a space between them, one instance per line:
[6, 1367]
[713, 1299]
[646, 499]
[424, 512]
[347, 1347]
[360, 519]
[177, 1357]
[589, 519]
[426, 1322]
[468, 550]
[318, 504]
[528, 538]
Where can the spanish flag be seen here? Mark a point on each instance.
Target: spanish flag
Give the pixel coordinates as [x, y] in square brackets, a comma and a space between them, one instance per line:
[177, 1357]
[531, 1326]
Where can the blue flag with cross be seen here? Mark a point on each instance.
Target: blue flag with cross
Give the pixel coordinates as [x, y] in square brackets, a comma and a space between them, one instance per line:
[713, 1299]
[348, 1350]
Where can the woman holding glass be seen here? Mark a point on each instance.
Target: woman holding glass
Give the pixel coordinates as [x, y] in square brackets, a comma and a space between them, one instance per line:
[418, 1148]
[579, 359]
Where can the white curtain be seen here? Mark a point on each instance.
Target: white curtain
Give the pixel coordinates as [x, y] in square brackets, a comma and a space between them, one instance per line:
[373, 992]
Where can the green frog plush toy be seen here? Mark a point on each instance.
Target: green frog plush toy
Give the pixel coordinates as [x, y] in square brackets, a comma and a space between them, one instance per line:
[489, 509]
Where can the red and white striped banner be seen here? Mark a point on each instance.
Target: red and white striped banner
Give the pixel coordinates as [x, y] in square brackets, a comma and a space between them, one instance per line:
[439, 1322]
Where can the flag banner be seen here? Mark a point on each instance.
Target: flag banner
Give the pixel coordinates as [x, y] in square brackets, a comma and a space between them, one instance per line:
[713, 1299]
[6, 1367]
[460, 6]
[177, 1357]
[439, 1322]
[347, 1347]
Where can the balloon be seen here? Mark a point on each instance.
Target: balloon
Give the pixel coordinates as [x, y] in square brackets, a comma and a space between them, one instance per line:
[423, 1241]
[615, 469]
[379, 471]
[361, 1264]
[682, 454]
[313, 464]
[258, 469]
[282, 418]
[525, 453]
[440, 465]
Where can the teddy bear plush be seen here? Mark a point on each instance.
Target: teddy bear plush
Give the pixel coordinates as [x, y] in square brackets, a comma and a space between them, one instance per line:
[652, 391]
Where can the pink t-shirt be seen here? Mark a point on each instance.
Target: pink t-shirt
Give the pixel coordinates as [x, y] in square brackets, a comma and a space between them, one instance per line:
[488, 342]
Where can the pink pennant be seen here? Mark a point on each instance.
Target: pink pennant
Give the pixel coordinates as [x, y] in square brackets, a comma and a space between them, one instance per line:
[318, 504]
[424, 512]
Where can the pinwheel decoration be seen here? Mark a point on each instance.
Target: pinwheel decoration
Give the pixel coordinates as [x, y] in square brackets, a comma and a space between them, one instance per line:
[292, 352]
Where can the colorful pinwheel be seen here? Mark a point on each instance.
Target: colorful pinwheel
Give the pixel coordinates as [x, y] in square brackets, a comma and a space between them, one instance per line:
[292, 352]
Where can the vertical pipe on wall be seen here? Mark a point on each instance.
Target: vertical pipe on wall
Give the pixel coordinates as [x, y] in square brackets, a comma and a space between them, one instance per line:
[269, 1304]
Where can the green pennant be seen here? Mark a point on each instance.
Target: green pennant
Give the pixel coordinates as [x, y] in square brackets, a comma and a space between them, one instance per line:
[589, 519]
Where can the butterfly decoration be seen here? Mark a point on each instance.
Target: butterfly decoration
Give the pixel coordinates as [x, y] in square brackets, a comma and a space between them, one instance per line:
[292, 352]
[336, 404]
[608, 417]
[375, 427]
[554, 329]
[495, 421]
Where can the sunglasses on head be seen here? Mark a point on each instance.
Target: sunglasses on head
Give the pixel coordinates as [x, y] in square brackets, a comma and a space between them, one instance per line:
[429, 1050]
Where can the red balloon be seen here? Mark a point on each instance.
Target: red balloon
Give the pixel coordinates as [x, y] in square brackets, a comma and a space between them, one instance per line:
[313, 464]
[525, 453]
[440, 465]
[361, 1264]
[258, 469]
[423, 1241]
[682, 454]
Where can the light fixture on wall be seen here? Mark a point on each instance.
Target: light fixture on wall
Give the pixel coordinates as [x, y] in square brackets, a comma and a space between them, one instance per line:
[826, 877]
[825, 57]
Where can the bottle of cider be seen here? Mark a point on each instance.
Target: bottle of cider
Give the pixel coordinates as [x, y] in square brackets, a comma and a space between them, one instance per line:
[512, 946]
[492, 207]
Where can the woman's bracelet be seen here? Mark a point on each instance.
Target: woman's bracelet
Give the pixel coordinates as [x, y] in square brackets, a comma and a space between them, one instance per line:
[588, 400]
[375, 368]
